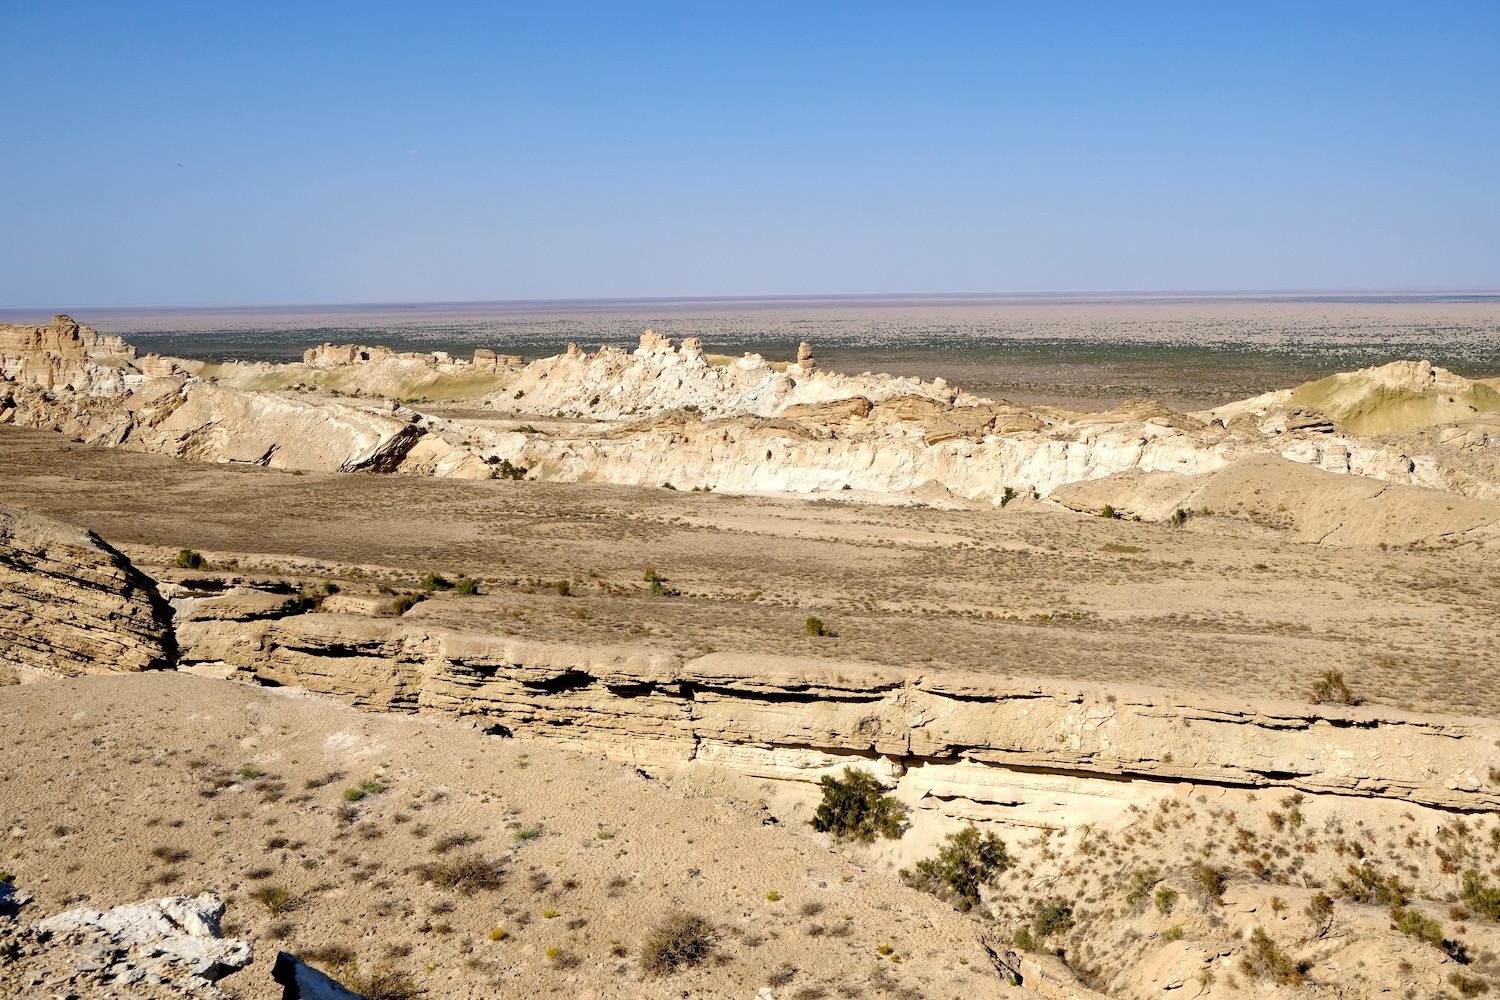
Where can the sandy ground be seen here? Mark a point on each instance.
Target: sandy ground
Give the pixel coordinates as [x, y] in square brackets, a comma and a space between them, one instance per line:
[114, 789]
[1221, 605]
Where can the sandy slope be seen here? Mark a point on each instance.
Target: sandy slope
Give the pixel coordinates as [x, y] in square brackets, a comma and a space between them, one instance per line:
[119, 788]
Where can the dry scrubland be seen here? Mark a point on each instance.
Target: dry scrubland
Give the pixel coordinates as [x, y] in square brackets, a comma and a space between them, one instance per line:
[468, 865]
[1218, 605]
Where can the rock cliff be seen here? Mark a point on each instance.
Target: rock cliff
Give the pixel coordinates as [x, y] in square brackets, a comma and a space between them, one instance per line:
[70, 604]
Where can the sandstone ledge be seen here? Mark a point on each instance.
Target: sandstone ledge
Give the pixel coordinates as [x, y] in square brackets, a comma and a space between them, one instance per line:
[990, 742]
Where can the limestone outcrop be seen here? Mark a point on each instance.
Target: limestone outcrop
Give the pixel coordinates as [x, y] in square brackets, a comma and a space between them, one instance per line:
[967, 746]
[173, 944]
[664, 414]
[70, 604]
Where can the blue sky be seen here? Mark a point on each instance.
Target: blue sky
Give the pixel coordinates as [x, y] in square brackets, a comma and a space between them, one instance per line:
[218, 153]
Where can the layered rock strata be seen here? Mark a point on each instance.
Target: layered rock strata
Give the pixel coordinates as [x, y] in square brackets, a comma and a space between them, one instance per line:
[965, 746]
[70, 604]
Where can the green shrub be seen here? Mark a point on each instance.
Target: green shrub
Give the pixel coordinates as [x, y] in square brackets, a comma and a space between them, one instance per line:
[434, 581]
[1209, 882]
[370, 786]
[505, 469]
[251, 771]
[1142, 884]
[1330, 689]
[680, 939]
[1266, 960]
[1109, 512]
[1467, 985]
[1052, 916]
[814, 626]
[563, 588]
[856, 807]
[1166, 899]
[658, 583]
[1007, 495]
[188, 559]
[329, 587]
[466, 586]
[1365, 885]
[1023, 939]
[1179, 517]
[969, 860]
[1482, 897]
[405, 602]
[1416, 925]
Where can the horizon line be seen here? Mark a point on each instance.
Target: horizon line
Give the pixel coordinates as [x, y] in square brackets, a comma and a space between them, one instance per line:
[836, 298]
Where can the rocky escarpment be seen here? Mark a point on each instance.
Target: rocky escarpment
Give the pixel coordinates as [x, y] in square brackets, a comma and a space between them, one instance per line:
[70, 604]
[964, 746]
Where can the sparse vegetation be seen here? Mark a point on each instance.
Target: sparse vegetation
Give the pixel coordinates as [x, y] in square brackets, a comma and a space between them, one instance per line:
[405, 602]
[968, 861]
[1179, 517]
[435, 581]
[1143, 883]
[505, 469]
[1330, 689]
[1007, 495]
[251, 771]
[678, 940]
[465, 873]
[1482, 897]
[188, 559]
[1265, 959]
[1052, 916]
[1366, 885]
[1110, 512]
[1418, 925]
[855, 807]
[466, 586]
[275, 899]
[370, 786]
[1209, 882]
[383, 982]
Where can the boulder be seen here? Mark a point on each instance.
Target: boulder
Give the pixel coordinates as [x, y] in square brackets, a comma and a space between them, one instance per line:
[182, 930]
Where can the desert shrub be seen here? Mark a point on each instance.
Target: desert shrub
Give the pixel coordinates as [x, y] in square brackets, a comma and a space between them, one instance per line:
[1173, 933]
[856, 807]
[1052, 916]
[1166, 900]
[188, 559]
[814, 626]
[1209, 882]
[1320, 909]
[405, 602]
[562, 958]
[435, 581]
[1023, 939]
[465, 873]
[383, 983]
[1179, 517]
[275, 899]
[679, 939]
[658, 583]
[563, 588]
[370, 786]
[524, 834]
[1467, 985]
[251, 771]
[1266, 960]
[1142, 884]
[449, 841]
[1007, 495]
[1482, 897]
[969, 860]
[1365, 885]
[505, 469]
[1330, 689]
[466, 586]
[1418, 925]
[1109, 512]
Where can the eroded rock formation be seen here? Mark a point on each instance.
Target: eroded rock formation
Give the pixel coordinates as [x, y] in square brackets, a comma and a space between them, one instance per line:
[70, 604]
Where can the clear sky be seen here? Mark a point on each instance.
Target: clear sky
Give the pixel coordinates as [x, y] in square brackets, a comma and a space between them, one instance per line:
[243, 153]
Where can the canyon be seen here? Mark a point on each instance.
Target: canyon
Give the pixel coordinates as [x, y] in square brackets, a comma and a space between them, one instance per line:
[848, 570]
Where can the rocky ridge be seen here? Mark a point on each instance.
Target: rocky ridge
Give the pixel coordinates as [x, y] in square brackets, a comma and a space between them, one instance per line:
[673, 415]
